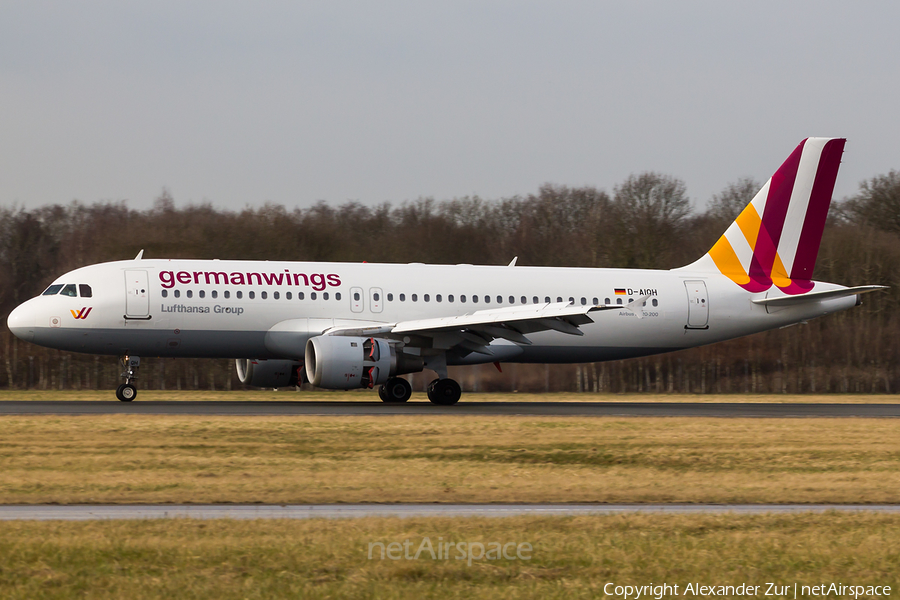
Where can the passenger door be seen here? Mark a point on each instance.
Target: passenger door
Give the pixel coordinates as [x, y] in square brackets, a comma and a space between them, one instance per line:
[137, 296]
[698, 305]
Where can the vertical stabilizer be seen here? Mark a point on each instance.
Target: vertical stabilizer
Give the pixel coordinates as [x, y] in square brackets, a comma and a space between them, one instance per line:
[775, 240]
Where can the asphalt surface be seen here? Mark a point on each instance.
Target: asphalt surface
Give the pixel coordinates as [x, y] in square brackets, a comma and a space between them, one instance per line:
[562, 409]
[349, 511]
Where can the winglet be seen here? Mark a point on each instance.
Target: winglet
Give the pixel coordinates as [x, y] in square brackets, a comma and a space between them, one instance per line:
[512, 263]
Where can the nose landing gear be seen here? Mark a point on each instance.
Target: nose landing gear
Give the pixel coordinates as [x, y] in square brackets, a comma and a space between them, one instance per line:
[127, 391]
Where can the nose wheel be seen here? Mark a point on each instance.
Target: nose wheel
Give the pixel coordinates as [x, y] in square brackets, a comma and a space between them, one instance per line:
[128, 391]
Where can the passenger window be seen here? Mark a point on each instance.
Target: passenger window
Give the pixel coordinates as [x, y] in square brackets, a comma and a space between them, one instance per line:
[300, 295]
[559, 298]
[390, 298]
[487, 299]
[618, 301]
[276, 295]
[356, 296]
[534, 300]
[606, 301]
[415, 297]
[524, 300]
[177, 293]
[438, 298]
[288, 296]
[227, 294]
[462, 298]
[202, 294]
[402, 297]
[337, 295]
[376, 296]
[164, 293]
[583, 301]
[450, 298]
[264, 295]
[84, 290]
[427, 298]
[52, 290]
[596, 302]
[190, 293]
[312, 295]
[325, 296]
[512, 300]
[499, 299]
[69, 290]
[571, 300]
[239, 294]
[655, 302]
[215, 294]
[474, 298]
[251, 295]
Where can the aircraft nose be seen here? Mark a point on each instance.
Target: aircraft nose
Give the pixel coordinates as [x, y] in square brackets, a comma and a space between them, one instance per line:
[21, 321]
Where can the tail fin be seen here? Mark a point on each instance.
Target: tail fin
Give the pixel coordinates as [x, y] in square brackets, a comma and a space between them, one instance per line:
[775, 240]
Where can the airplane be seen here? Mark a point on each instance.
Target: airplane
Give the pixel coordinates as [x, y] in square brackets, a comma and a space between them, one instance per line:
[361, 325]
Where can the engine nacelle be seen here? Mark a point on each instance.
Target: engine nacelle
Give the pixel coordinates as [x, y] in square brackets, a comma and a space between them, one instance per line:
[343, 363]
[267, 373]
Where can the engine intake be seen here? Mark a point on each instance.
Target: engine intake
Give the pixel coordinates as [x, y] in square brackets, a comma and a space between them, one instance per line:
[343, 363]
[268, 373]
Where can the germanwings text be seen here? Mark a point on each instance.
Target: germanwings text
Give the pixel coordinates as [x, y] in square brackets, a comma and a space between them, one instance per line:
[318, 281]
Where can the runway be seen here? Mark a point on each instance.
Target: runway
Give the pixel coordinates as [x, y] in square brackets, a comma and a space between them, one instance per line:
[558, 409]
[351, 511]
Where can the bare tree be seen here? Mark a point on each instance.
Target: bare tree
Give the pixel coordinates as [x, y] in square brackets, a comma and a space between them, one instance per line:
[725, 206]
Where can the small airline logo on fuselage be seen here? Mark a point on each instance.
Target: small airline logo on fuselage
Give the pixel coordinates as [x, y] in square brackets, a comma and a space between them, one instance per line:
[83, 313]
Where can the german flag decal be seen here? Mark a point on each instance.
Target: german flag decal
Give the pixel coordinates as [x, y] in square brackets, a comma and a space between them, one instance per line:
[620, 291]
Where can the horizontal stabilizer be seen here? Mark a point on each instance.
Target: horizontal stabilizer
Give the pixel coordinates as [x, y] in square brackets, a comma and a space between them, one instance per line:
[818, 296]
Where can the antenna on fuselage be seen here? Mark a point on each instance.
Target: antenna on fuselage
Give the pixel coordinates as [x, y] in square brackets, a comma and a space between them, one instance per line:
[512, 263]
[140, 255]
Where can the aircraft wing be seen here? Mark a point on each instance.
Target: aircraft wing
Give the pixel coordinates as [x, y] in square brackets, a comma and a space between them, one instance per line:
[474, 331]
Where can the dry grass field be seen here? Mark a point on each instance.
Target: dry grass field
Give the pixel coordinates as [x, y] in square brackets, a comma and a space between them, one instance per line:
[311, 459]
[291, 395]
[574, 557]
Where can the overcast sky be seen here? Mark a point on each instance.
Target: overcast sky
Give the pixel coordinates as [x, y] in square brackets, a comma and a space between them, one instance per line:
[240, 103]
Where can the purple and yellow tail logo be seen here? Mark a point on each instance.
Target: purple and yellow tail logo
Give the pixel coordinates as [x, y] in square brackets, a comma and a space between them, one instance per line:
[775, 239]
[83, 313]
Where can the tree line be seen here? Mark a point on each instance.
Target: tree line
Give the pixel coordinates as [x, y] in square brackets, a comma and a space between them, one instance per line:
[646, 221]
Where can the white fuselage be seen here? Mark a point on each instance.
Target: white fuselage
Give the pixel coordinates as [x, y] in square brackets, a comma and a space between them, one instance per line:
[268, 309]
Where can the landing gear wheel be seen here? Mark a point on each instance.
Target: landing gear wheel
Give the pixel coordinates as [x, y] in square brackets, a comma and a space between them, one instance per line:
[444, 391]
[395, 390]
[126, 392]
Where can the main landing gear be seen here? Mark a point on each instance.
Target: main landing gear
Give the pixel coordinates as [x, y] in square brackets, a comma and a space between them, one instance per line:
[440, 391]
[444, 391]
[127, 391]
[395, 390]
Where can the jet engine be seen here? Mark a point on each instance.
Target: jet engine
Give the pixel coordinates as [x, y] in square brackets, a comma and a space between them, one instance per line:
[268, 373]
[343, 363]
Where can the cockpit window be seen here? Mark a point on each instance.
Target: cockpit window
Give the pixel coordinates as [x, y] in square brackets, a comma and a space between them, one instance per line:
[84, 290]
[69, 290]
[52, 290]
